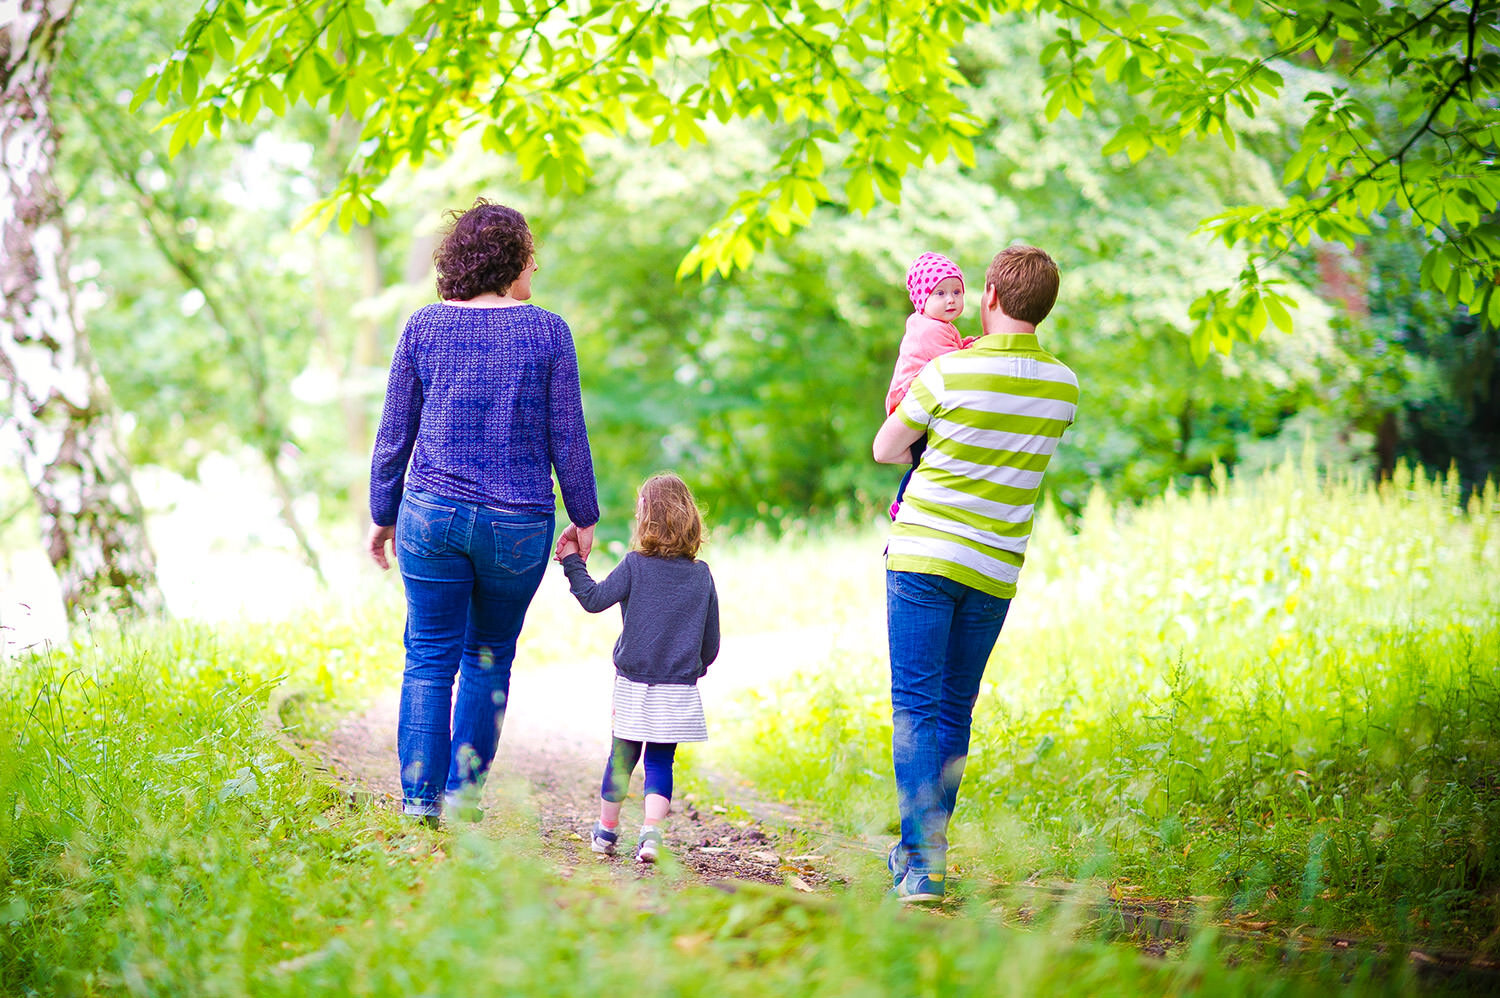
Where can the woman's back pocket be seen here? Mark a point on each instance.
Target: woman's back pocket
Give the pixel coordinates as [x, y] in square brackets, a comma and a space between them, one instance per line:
[521, 547]
[422, 527]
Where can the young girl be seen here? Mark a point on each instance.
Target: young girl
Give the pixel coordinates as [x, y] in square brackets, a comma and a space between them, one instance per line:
[936, 287]
[671, 635]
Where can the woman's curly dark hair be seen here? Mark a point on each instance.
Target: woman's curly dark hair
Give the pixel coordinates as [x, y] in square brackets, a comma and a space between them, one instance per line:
[486, 249]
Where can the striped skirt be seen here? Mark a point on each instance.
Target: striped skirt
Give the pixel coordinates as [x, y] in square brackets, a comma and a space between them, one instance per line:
[645, 712]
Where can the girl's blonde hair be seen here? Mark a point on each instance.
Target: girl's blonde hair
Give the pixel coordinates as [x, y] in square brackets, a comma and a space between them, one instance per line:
[667, 521]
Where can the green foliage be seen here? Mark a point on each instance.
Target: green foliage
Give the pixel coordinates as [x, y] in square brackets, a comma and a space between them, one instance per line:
[1281, 696]
[142, 797]
[1397, 118]
[1395, 122]
[203, 309]
[1431, 376]
[155, 840]
[764, 388]
[536, 79]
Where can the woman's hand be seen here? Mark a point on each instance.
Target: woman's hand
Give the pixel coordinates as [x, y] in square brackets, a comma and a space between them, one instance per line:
[580, 537]
[376, 542]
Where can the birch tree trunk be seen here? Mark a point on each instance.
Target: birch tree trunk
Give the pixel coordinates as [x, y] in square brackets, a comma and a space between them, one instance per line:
[58, 405]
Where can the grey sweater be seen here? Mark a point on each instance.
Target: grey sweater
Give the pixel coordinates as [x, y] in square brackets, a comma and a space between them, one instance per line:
[671, 614]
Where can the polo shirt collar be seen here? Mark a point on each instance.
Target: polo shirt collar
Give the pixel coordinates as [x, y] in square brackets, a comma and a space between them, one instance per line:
[1008, 341]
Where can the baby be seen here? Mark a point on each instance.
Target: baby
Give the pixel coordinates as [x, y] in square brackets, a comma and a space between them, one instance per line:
[936, 286]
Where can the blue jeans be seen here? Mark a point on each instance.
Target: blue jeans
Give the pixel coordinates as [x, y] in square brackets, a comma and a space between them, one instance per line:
[470, 573]
[941, 635]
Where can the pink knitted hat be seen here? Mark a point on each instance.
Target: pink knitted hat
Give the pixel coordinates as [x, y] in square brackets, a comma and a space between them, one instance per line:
[926, 273]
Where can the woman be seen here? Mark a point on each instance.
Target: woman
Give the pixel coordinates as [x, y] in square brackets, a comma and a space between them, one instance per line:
[483, 401]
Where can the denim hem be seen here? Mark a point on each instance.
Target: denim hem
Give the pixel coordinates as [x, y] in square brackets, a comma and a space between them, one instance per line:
[422, 808]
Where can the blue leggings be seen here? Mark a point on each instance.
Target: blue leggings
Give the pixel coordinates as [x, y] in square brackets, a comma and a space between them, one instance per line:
[916, 459]
[622, 759]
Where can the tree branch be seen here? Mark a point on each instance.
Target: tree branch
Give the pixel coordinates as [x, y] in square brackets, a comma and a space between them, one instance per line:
[1399, 35]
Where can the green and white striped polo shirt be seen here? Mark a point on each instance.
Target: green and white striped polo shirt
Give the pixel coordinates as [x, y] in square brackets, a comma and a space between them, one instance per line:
[993, 415]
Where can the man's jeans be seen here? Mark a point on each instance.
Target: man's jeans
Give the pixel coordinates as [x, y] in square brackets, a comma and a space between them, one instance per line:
[941, 635]
[470, 573]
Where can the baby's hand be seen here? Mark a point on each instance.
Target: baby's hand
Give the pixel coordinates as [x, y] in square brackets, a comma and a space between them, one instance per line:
[566, 548]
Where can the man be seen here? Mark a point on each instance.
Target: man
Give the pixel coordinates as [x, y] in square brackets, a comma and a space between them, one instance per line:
[993, 415]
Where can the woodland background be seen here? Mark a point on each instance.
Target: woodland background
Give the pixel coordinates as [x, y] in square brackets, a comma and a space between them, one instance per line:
[226, 334]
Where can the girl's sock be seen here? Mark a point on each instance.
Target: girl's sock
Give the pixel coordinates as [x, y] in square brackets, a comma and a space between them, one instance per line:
[609, 826]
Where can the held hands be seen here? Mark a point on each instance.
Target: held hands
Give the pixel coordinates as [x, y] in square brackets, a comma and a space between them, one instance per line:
[574, 540]
[377, 540]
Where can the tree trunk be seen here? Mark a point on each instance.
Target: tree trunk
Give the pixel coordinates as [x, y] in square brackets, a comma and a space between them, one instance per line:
[1387, 442]
[92, 520]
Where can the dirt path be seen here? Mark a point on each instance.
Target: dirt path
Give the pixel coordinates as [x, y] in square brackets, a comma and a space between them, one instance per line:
[552, 752]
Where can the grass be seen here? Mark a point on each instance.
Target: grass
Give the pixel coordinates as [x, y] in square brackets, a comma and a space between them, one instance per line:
[1320, 749]
[157, 842]
[1279, 697]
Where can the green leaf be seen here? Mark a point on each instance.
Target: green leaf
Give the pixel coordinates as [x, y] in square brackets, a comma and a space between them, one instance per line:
[142, 94]
[860, 190]
[1275, 306]
[188, 86]
[1438, 265]
[1492, 306]
[1258, 317]
[274, 99]
[249, 103]
[1199, 343]
[185, 130]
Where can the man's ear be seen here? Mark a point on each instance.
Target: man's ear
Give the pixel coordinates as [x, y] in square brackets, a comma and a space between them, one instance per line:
[990, 300]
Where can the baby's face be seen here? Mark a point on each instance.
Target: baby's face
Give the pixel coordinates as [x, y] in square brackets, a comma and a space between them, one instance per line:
[946, 302]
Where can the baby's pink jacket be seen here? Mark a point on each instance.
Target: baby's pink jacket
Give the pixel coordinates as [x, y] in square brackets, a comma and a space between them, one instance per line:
[925, 339]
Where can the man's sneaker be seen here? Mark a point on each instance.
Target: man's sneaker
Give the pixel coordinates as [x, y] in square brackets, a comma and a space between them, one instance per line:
[647, 848]
[463, 806]
[604, 840]
[896, 861]
[918, 888]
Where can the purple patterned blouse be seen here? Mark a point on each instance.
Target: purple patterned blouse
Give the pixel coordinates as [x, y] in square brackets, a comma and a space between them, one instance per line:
[484, 403]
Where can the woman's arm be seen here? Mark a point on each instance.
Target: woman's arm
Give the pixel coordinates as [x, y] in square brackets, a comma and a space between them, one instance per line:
[568, 442]
[399, 421]
[596, 596]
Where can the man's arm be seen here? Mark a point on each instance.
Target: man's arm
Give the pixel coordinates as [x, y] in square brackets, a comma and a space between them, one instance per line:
[893, 442]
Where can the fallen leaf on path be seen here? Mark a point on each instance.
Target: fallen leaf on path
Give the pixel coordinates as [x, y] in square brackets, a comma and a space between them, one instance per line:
[766, 857]
[689, 943]
[712, 850]
[799, 884]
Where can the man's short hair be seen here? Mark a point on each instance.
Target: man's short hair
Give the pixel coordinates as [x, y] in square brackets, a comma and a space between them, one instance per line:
[1025, 280]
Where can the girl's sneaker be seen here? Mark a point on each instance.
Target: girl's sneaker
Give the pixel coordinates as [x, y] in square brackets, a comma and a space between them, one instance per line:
[647, 848]
[604, 840]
